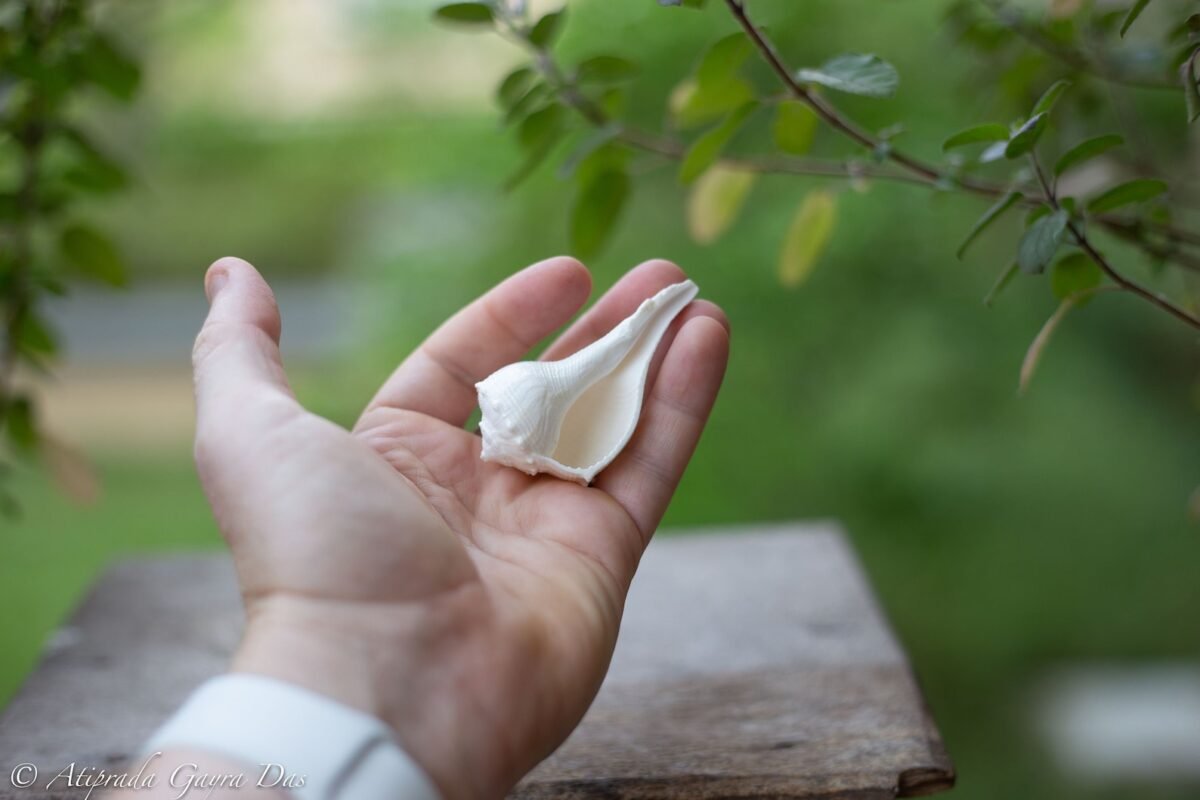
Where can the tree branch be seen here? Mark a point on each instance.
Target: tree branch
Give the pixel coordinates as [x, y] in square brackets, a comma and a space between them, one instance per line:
[1015, 22]
[834, 118]
[1102, 262]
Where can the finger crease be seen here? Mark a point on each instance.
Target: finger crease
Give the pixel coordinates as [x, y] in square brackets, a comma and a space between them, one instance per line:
[676, 406]
[450, 367]
[652, 467]
[499, 322]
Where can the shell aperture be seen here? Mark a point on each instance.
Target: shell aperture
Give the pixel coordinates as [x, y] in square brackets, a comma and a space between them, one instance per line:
[570, 418]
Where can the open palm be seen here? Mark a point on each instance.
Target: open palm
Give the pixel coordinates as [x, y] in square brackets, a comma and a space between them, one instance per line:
[472, 607]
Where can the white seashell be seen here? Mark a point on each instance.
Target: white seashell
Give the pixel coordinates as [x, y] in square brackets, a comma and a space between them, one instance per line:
[572, 417]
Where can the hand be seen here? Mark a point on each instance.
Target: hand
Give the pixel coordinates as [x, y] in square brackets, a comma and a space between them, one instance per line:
[471, 607]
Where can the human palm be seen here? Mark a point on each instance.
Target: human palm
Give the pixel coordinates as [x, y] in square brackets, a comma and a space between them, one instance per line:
[472, 607]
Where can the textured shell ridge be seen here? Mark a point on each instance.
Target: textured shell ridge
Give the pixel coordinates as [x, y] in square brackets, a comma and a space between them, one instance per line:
[582, 409]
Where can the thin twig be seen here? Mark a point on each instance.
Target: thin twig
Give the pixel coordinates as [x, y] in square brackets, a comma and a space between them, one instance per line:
[1096, 256]
[848, 128]
[915, 171]
[1014, 21]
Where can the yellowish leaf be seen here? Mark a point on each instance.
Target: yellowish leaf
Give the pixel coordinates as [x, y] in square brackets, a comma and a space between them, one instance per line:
[1034, 354]
[716, 199]
[807, 237]
[70, 469]
[680, 96]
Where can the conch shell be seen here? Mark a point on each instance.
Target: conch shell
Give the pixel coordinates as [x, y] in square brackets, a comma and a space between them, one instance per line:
[571, 418]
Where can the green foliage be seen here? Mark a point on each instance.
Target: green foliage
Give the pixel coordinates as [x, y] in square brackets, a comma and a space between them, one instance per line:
[987, 132]
[548, 104]
[543, 33]
[708, 147]
[1002, 282]
[1023, 140]
[50, 54]
[864, 74]
[91, 252]
[795, 127]
[991, 215]
[1135, 11]
[1087, 150]
[606, 69]
[1135, 191]
[597, 209]
[1049, 98]
[1074, 273]
[466, 14]
[716, 87]
[1041, 241]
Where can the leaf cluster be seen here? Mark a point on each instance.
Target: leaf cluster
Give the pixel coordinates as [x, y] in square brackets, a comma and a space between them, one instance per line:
[50, 53]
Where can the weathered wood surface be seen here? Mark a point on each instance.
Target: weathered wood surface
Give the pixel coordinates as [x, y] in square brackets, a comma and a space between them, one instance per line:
[752, 663]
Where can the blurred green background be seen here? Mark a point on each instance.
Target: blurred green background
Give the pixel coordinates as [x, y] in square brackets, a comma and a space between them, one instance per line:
[351, 151]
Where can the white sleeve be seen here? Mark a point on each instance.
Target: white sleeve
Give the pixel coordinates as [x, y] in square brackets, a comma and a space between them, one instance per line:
[295, 739]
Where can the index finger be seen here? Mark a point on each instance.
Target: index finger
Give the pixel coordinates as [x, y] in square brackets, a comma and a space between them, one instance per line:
[500, 327]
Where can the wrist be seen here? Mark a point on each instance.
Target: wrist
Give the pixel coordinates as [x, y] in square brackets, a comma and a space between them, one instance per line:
[380, 665]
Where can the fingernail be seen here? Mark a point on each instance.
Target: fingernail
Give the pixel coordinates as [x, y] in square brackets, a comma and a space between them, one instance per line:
[215, 283]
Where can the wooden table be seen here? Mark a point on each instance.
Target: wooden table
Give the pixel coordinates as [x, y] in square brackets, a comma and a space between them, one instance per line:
[752, 663]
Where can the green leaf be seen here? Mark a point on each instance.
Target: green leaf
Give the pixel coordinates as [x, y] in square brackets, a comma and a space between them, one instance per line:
[108, 67]
[466, 14]
[715, 201]
[605, 69]
[1086, 150]
[724, 58]
[715, 89]
[701, 155]
[807, 237]
[540, 128]
[862, 74]
[1191, 87]
[1135, 11]
[1036, 213]
[538, 134]
[92, 253]
[1075, 272]
[20, 424]
[1046, 103]
[533, 159]
[1132, 192]
[1004, 279]
[587, 146]
[988, 132]
[36, 338]
[692, 104]
[1041, 241]
[991, 215]
[544, 31]
[514, 86]
[1026, 136]
[534, 96]
[93, 170]
[102, 177]
[795, 127]
[597, 207]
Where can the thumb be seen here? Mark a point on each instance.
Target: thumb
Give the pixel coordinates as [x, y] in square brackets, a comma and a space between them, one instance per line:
[236, 359]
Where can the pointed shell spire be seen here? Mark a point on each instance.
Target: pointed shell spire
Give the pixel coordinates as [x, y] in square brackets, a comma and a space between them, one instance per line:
[571, 418]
